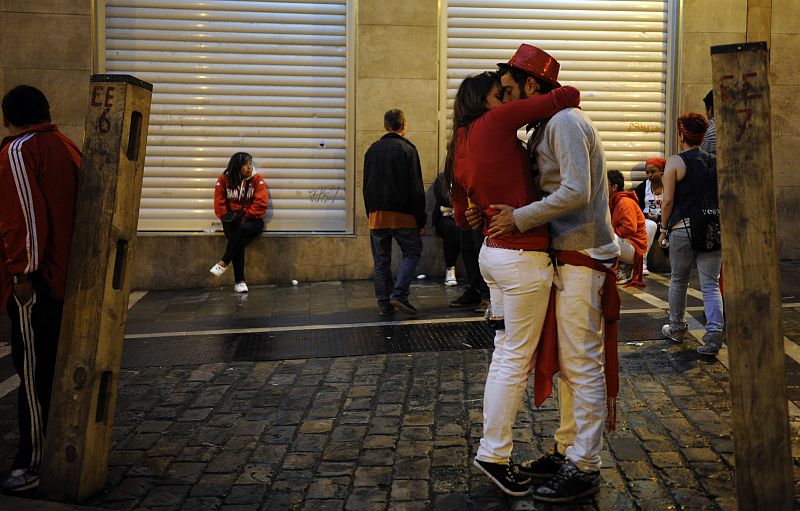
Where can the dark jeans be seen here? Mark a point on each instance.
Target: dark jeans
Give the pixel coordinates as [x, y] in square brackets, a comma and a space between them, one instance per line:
[471, 242]
[239, 235]
[411, 248]
[447, 229]
[35, 328]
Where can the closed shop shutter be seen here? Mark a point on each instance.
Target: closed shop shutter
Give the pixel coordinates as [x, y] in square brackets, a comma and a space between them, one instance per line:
[268, 78]
[615, 52]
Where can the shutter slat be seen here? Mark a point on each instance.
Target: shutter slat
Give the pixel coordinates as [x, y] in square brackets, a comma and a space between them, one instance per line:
[265, 77]
[615, 52]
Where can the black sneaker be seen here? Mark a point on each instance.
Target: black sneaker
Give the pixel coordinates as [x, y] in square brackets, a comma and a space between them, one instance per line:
[404, 306]
[569, 484]
[385, 309]
[467, 299]
[506, 477]
[482, 306]
[544, 468]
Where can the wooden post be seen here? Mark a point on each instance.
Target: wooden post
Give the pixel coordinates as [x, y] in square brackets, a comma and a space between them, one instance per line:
[98, 283]
[752, 296]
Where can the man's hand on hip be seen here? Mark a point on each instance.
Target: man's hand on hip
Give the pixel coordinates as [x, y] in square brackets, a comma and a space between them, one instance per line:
[474, 217]
[503, 222]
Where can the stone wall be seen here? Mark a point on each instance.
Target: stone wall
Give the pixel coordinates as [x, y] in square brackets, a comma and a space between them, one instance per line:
[47, 44]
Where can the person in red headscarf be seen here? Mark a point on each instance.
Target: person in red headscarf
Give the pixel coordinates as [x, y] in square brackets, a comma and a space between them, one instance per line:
[649, 194]
[689, 179]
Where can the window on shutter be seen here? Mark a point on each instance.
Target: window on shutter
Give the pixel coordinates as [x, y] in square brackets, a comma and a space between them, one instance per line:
[615, 52]
[268, 78]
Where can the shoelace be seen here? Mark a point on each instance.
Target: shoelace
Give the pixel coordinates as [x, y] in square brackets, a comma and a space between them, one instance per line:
[561, 476]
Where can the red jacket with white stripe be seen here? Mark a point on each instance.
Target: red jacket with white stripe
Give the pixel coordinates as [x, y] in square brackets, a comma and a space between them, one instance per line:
[227, 198]
[38, 183]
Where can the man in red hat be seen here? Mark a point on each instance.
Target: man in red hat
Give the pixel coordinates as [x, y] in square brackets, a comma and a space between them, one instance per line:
[569, 162]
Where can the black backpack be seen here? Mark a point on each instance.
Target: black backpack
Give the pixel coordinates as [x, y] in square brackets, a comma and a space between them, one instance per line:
[704, 227]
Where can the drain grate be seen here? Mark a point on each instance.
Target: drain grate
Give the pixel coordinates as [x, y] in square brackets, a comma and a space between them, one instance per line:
[334, 342]
[321, 343]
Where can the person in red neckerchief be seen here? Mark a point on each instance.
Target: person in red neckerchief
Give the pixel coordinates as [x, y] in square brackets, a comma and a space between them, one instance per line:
[570, 168]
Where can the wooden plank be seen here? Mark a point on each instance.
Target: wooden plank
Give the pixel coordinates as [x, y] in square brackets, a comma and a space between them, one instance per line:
[752, 295]
[98, 286]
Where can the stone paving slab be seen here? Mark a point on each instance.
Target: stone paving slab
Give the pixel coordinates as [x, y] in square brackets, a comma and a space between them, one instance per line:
[399, 431]
[396, 431]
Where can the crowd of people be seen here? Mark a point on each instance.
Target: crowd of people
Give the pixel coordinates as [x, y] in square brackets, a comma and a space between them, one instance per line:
[553, 233]
[545, 232]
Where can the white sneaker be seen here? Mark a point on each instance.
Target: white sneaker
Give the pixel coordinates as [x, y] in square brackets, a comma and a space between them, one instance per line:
[645, 271]
[21, 480]
[218, 269]
[241, 287]
[450, 277]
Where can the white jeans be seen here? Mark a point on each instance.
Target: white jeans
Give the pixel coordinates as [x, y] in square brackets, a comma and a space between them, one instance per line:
[651, 227]
[581, 380]
[519, 284]
[626, 250]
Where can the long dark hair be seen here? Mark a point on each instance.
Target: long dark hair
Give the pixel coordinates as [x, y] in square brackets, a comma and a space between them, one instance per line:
[234, 170]
[470, 103]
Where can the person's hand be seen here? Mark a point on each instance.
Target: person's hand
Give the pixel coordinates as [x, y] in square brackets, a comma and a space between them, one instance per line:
[474, 217]
[662, 239]
[423, 231]
[503, 222]
[23, 292]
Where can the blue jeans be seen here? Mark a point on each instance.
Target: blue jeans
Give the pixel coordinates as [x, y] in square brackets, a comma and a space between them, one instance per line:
[411, 248]
[681, 259]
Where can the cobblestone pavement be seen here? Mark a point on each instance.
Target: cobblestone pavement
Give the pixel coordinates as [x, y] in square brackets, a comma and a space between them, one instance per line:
[398, 431]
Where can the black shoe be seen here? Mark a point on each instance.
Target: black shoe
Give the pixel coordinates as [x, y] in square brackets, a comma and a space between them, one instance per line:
[505, 477]
[466, 299]
[385, 309]
[404, 306]
[544, 468]
[569, 484]
[483, 306]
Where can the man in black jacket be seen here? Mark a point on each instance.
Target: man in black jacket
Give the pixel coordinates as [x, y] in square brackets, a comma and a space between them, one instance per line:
[395, 201]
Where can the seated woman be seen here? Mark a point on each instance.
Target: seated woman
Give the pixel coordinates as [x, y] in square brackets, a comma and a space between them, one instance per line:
[688, 178]
[649, 193]
[487, 164]
[240, 200]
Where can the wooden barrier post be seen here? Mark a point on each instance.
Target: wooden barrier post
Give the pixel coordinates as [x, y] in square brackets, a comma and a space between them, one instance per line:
[98, 283]
[752, 295]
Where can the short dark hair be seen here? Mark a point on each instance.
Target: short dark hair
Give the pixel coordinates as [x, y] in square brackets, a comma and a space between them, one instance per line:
[615, 177]
[519, 76]
[709, 100]
[394, 119]
[25, 105]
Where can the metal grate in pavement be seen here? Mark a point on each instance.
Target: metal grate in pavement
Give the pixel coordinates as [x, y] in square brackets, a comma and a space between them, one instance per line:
[322, 343]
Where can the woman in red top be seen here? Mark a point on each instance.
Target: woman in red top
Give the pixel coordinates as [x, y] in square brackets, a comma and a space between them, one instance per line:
[240, 201]
[487, 164]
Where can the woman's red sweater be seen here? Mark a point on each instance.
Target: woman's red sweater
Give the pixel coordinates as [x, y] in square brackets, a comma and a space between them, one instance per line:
[492, 166]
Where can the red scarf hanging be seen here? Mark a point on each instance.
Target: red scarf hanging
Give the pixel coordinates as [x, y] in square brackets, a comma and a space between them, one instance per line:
[547, 351]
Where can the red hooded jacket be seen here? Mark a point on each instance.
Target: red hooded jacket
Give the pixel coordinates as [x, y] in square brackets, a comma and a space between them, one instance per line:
[38, 182]
[228, 199]
[628, 220]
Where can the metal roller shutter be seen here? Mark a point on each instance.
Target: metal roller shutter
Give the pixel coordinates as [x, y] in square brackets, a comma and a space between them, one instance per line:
[266, 77]
[615, 52]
